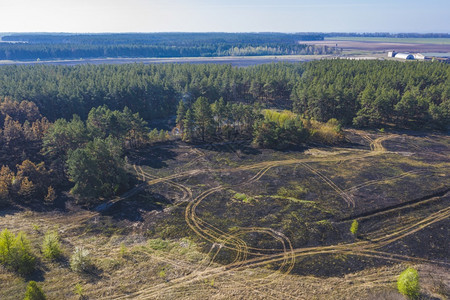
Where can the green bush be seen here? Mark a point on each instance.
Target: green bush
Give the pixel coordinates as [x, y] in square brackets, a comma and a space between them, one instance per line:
[15, 252]
[34, 292]
[79, 290]
[243, 197]
[408, 283]
[354, 227]
[123, 250]
[158, 244]
[80, 260]
[50, 246]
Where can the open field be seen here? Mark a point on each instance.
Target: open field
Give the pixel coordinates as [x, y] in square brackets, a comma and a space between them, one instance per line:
[384, 45]
[434, 41]
[238, 61]
[226, 220]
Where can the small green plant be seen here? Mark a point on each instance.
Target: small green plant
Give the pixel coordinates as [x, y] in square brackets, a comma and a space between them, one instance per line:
[158, 244]
[123, 250]
[408, 283]
[50, 247]
[209, 282]
[36, 228]
[354, 227]
[15, 252]
[162, 273]
[34, 292]
[80, 260]
[78, 290]
[242, 197]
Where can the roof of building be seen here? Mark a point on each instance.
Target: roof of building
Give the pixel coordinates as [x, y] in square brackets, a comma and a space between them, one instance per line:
[404, 56]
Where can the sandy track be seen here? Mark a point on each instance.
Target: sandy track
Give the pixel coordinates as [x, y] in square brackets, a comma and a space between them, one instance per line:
[288, 255]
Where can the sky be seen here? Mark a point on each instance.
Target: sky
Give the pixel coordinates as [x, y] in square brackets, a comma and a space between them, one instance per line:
[224, 16]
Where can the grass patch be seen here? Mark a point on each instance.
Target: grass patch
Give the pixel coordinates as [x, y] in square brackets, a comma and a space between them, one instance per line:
[294, 191]
[158, 244]
[438, 41]
[243, 197]
[292, 199]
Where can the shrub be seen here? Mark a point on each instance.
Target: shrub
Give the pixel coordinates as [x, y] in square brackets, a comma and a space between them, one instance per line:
[50, 246]
[123, 250]
[329, 133]
[158, 244]
[34, 292]
[242, 197]
[15, 252]
[408, 283]
[51, 195]
[354, 227]
[79, 290]
[80, 260]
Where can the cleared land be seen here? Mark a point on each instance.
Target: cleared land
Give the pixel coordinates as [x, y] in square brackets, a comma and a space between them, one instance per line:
[238, 61]
[434, 41]
[386, 44]
[226, 220]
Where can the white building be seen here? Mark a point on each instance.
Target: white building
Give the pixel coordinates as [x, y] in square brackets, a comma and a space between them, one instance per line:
[404, 56]
[419, 56]
[391, 53]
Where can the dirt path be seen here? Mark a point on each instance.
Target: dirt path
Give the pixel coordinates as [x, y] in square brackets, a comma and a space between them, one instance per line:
[247, 257]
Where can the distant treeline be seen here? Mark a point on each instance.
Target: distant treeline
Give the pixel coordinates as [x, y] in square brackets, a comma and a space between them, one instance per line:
[358, 93]
[387, 35]
[79, 51]
[166, 39]
[53, 46]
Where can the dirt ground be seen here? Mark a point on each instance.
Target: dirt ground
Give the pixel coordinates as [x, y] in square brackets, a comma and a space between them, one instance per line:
[229, 221]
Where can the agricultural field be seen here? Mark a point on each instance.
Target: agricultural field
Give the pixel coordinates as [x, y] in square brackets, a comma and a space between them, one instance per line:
[434, 41]
[378, 47]
[227, 220]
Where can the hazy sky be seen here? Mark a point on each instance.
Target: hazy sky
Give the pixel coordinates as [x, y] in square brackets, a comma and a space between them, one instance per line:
[229, 16]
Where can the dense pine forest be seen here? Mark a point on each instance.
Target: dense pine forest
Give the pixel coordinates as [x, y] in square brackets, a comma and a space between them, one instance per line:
[44, 47]
[61, 123]
[360, 93]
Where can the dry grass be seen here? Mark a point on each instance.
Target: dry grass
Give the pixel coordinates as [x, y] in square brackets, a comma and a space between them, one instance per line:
[246, 214]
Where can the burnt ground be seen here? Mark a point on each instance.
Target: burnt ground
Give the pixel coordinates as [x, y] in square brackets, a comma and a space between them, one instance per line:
[314, 198]
[226, 220]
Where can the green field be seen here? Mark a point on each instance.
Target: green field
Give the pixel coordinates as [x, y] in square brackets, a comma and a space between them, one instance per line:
[438, 41]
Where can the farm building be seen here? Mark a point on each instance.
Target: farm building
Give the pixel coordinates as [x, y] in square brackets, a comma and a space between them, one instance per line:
[392, 53]
[419, 56]
[404, 56]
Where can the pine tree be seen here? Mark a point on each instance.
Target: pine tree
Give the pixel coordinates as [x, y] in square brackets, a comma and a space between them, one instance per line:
[6, 179]
[219, 110]
[153, 135]
[34, 292]
[354, 227]
[181, 114]
[188, 133]
[12, 131]
[27, 188]
[203, 116]
[408, 283]
[51, 195]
